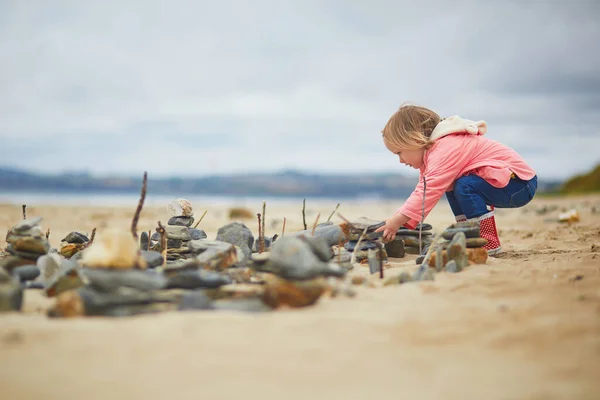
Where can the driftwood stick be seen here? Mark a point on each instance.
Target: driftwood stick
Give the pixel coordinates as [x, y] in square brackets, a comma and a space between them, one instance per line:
[380, 257]
[264, 218]
[47, 233]
[261, 239]
[149, 240]
[92, 237]
[202, 217]
[304, 214]
[24, 208]
[138, 210]
[163, 241]
[333, 212]
[315, 224]
[283, 228]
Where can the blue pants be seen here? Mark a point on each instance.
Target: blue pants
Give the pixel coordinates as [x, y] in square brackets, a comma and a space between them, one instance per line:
[471, 195]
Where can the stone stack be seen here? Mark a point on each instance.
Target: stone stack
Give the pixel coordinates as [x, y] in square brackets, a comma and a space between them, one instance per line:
[178, 230]
[26, 243]
[460, 244]
[410, 237]
[72, 244]
[371, 240]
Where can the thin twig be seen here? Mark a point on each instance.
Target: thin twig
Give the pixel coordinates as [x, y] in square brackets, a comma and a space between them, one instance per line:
[304, 214]
[315, 224]
[333, 212]
[261, 242]
[339, 254]
[283, 229]
[163, 241]
[138, 210]
[380, 256]
[47, 233]
[205, 211]
[92, 237]
[360, 238]
[149, 239]
[264, 218]
[24, 207]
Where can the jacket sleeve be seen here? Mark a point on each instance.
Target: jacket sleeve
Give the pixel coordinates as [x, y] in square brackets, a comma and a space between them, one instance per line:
[443, 168]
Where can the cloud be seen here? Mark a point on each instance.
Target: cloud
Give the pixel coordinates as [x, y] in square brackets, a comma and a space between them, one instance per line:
[196, 88]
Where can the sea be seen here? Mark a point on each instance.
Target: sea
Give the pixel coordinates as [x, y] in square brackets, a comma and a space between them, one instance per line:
[104, 199]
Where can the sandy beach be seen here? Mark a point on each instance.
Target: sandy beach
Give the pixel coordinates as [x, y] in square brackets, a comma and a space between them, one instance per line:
[524, 326]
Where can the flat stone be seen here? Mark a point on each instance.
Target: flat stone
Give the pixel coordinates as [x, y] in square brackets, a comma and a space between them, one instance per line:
[70, 249]
[354, 236]
[197, 279]
[35, 231]
[195, 300]
[364, 245]
[375, 263]
[282, 292]
[153, 258]
[106, 280]
[76, 237]
[178, 232]
[11, 262]
[426, 227]
[242, 305]
[213, 254]
[333, 234]
[144, 241]
[181, 221]
[32, 245]
[358, 225]
[25, 225]
[26, 272]
[23, 254]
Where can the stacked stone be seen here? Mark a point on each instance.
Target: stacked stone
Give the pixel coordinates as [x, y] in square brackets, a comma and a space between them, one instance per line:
[371, 240]
[178, 230]
[461, 244]
[410, 237]
[26, 243]
[72, 244]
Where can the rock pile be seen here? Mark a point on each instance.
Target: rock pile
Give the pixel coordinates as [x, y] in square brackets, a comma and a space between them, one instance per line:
[26, 243]
[371, 240]
[410, 237]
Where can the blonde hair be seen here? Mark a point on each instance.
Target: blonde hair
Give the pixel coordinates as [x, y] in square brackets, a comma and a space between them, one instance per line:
[410, 128]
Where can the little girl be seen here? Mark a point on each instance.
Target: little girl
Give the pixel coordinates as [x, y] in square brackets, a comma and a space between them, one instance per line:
[476, 173]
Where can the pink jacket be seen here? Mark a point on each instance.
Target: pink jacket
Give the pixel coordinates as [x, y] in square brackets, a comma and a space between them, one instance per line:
[461, 149]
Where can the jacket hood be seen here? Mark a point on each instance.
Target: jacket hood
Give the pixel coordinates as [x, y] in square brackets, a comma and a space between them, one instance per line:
[456, 124]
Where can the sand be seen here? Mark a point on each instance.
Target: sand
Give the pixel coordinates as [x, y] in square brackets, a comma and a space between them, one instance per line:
[524, 326]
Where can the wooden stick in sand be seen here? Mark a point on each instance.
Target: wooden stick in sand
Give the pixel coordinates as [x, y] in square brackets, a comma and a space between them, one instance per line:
[24, 207]
[333, 212]
[283, 229]
[163, 241]
[264, 218]
[304, 214]
[138, 210]
[202, 217]
[315, 224]
[261, 242]
[92, 237]
[149, 240]
[47, 233]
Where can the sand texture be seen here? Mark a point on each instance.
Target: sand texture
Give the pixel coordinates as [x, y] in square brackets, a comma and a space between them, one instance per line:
[524, 326]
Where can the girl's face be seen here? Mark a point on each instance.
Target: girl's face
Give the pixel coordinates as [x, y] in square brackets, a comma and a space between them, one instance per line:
[411, 157]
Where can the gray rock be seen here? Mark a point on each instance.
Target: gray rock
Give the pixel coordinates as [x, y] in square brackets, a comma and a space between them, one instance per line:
[11, 292]
[268, 243]
[177, 232]
[364, 245]
[107, 280]
[395, 248]
[35, 231]
[319, 247]
[423, 273]
[197, 234]
[368, 236]
[237, 234]
[153, 258]
[358, 225]
[34, 245]
[181, 221]
[195, 300]
[251, 304]
[49, 265]
[26, 272]
[469, 228]
[23, 254]
[23, 226]
[343, 257]
[144, 241]
[292, 258]
[197, 279]
[374, 262]
[457, 251]
[213, 254]
[76, 238]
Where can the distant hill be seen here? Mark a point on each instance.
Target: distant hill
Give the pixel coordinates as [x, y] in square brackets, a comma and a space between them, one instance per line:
[585, 183]
[281, 184]
[277, 184]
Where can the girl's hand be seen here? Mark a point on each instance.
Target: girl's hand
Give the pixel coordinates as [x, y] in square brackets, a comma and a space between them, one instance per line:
[392, 225]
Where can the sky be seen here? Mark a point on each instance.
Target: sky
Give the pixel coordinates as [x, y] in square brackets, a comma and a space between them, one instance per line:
[196, 88]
